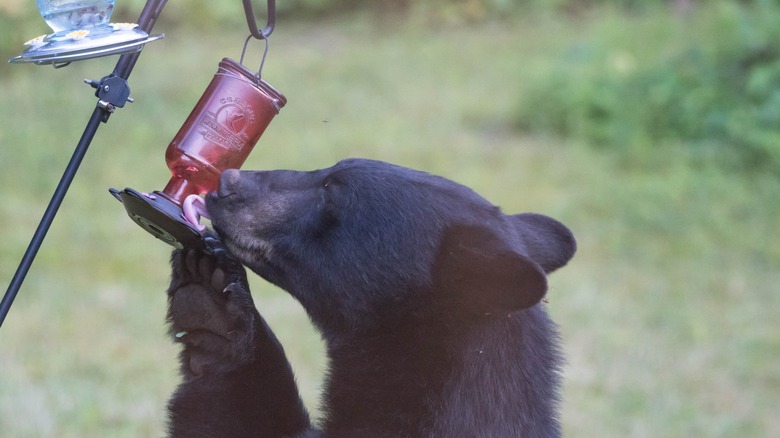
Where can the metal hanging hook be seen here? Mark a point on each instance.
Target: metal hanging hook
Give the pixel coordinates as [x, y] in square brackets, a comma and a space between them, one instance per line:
[259, 74]
[254, 30]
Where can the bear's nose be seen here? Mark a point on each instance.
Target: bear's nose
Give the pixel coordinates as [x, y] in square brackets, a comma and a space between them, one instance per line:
[228, 183]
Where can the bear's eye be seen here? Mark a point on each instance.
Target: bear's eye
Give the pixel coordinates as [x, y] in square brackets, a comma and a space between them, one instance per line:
[329, 203]
[329, 181]
[326, 189]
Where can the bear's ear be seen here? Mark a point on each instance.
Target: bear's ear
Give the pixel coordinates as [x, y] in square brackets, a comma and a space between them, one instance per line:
[481, 273]
[549, 242]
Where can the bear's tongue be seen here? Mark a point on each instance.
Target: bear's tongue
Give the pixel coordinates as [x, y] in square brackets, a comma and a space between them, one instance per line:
[194, 207]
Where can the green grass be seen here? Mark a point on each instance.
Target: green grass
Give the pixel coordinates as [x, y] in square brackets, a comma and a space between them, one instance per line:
[668, 311]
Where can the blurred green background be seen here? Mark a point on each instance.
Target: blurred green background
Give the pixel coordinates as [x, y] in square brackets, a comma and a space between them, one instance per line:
[651, 128]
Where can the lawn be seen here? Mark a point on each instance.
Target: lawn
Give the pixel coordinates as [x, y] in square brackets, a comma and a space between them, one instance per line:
[668, 311]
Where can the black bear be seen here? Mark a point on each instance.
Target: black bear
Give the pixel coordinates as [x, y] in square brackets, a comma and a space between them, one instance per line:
[427, 297]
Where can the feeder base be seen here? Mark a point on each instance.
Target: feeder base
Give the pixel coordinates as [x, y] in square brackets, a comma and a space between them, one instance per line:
[159, 216]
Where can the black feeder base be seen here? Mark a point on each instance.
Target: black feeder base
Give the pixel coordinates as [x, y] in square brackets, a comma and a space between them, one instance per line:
[160, 217]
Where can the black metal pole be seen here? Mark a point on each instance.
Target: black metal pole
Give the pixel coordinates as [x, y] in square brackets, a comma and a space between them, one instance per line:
[123, 68]
[146, 22]
[51, 211]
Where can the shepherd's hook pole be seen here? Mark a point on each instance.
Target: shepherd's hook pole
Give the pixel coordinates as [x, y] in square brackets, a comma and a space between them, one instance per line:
[123, 68]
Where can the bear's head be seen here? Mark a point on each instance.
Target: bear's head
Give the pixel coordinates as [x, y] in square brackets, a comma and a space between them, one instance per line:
[364, 239]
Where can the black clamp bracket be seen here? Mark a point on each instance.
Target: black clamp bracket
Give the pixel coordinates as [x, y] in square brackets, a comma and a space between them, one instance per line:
[112, 91]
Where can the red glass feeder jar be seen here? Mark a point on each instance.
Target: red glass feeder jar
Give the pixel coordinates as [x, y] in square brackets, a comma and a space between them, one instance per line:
[219, 134]
[221, 131]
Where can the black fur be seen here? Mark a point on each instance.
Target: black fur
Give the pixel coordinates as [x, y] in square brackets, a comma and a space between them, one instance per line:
[427, 297]
[231, 359]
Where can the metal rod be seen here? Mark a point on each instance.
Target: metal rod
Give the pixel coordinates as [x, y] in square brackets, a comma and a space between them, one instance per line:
[123, 68]
[146, 22]
[51, 211]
